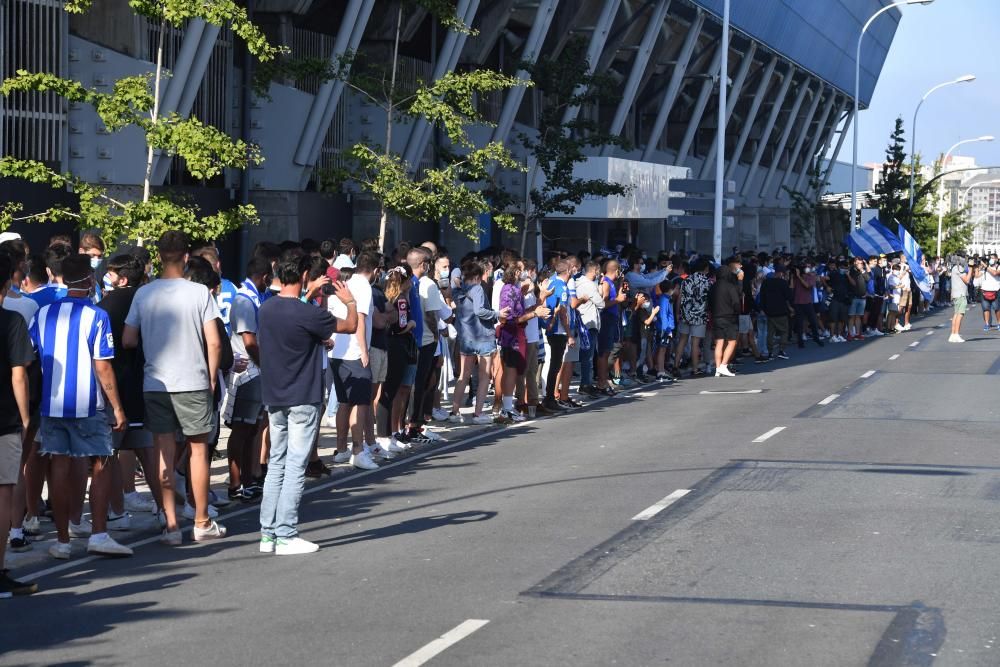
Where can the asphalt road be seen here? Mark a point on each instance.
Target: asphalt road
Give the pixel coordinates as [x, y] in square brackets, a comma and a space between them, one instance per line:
[647, 530]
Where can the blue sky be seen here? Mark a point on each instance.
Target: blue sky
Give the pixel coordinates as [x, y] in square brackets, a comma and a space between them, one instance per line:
[937, 43]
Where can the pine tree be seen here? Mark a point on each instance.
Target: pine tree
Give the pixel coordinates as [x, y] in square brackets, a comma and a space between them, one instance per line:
[892, 192]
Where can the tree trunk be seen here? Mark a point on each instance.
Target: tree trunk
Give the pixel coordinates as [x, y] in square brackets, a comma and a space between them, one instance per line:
[155, 115]
[384, 219]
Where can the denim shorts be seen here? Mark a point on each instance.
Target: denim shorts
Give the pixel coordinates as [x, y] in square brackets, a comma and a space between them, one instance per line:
[409, 376]
[474, 348]
[85, 436]
[857, 308]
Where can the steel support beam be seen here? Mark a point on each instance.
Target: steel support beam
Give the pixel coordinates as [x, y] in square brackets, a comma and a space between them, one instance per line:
[758, 99]
[183, 87]
[765, 136]
[836, 153]
[597, 41]
[733, 99]
[532, 48]
[674, 87]
[828, 138]
[492, 22]
[447, 61]
[328, 96]
[809, 159]
[793, 156]
[700, 103]
[639, 64]
[786, 132]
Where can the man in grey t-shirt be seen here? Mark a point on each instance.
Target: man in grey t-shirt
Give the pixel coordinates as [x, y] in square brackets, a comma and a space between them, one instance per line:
[182, 346]
[960, 276]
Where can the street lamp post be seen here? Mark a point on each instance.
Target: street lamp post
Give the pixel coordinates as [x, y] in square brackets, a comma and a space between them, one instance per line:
[913, 129]
[720, 151]
[947, 156]
[857, 95]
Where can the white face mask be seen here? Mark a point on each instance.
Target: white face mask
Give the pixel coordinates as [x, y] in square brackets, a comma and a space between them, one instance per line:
[95, 262]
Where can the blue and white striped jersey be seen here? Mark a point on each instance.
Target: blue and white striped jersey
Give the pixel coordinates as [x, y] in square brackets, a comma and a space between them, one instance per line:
[68, 336]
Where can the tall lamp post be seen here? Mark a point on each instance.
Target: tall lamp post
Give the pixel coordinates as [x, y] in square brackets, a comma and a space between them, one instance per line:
[857, 95]
[720, 151]
[947, 156]
[913, 129]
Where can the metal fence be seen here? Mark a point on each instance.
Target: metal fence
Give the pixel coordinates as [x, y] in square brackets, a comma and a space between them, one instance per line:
[33, 37]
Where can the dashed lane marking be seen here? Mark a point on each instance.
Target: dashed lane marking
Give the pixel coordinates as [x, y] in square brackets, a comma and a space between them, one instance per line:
[773, 432]
[894, 357]
[439, 645]
[868, 374]
[829, 399]
[915, 343]
[744, 391]
[658, 507]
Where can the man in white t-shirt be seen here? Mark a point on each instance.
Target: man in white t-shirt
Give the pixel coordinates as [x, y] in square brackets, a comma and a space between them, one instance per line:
[431, 303]
[351, 368]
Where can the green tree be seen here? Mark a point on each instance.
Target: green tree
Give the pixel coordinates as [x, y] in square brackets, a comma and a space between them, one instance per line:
[923, 223]
[458, 189]
[567, 83]
[891, 195]
[135, 101]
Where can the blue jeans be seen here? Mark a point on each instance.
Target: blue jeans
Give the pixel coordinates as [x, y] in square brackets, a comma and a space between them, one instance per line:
[293, 430]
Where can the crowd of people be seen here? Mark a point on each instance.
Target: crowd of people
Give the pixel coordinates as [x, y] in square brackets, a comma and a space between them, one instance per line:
[131, 364]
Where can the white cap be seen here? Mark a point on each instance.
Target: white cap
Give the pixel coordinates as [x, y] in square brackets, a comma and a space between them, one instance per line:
[9, 236]
[343, 262]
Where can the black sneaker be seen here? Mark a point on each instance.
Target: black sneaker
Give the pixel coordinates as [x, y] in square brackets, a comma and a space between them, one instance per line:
[554, 405]
[9, 587]
[608, 391]
[317, 469]
[20, 544]
[417, 437]
[783, 355]
[241, 494]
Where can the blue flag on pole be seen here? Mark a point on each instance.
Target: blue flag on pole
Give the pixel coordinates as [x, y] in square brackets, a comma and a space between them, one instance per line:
[915, 258]
[873, 238]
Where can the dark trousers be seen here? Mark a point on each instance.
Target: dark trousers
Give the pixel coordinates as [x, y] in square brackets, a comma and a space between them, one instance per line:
[557, 350]
[398, 362]
[803, 312]
[425, 366]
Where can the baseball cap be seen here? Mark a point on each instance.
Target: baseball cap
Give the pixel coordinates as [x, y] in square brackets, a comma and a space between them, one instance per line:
[9, 236]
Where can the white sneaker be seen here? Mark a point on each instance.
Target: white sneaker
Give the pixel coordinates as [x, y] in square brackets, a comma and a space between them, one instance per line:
[456, 418]
[392, 446]
[172, 538]
[907, 327]
[483, 420]
[434, 437]
[61, 550]
[899, 327]
[31, 525]
[376, 452]
[512, 415]
[122, 523]
[295, 546]
[267, 544]
[402, 446]
[363, 461]
[876, 333]
[104, 545]
[189, 512]
[955, 338]
[440, 415]
[213, 532]
[137, 502]
[723, 371]
[342, 457]
[82, 529]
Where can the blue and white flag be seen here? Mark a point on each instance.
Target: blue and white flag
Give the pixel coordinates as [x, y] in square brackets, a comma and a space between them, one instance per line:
[872, 238]
[915, 258]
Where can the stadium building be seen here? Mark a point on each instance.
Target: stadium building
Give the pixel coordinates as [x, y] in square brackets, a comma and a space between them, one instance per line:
[791, 73]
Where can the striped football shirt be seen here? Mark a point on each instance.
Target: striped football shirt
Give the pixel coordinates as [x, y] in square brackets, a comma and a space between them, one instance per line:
[68, 336]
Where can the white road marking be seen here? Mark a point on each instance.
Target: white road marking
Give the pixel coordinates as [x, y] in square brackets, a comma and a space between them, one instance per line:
[929, 333]
[645, 394]
[450, 638]
[745, 391]
[915, 343]
[773, 432]
[868, 374]
[829, 399]
[894, 357]
[656, 508]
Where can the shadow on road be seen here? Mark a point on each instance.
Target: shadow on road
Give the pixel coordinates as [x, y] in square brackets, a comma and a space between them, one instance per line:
[411, 527]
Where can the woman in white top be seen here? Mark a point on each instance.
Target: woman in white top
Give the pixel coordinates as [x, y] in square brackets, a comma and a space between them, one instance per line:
[990, 287]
